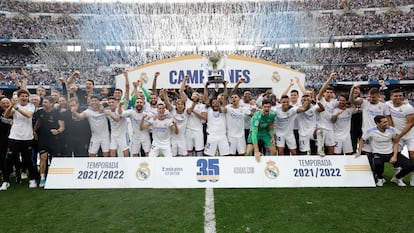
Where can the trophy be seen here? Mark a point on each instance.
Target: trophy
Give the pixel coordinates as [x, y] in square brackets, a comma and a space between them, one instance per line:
[214, 77]
[144, 78]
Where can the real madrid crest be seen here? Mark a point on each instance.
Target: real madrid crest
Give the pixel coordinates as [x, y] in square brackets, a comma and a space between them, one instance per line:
[271, 171]
[143, 172]
[275, 77]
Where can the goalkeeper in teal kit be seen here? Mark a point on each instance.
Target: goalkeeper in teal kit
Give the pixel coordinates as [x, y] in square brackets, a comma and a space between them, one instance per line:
[262, 125]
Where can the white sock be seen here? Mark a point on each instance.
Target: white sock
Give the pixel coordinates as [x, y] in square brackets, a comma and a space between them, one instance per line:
[319, 141]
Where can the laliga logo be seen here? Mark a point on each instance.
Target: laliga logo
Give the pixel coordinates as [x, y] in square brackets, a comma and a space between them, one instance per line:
[271, 171]
[275, 77]
[143, 172]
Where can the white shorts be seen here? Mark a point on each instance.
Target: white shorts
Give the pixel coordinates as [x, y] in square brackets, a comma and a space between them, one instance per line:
[94, 145]
[119, 142]
[157, 150]
[178, 147]
[237, 144]
[409, 142]
[194, 139]
[343, 145]
[328, 137]
[217, 142]
[289, 140]
[136, 144]
[304, 142]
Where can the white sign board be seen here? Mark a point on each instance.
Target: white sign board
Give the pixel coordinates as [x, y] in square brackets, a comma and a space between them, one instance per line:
[214, 172]
[257, 73]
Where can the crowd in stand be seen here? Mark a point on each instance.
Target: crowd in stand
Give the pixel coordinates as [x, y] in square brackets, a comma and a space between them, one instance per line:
[368, 24]
[44, 77]
[332, 56]
[66, 27]
[24, 27]
[27, 26]
[350, 64]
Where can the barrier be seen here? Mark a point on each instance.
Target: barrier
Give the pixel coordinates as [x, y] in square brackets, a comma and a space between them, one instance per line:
[214, 172]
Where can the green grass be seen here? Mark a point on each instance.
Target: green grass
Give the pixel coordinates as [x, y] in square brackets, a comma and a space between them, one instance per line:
[122, 210]
[315, 210]
[387, 209]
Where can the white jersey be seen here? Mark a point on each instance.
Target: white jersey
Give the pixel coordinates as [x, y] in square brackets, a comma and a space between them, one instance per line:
[22, 128]
[136, 118]
[98, 123]
[181, 119]
[369, 111]
[285, 121]
[399, 117]
[161, 131]
[342, 126]
[323, 119]
[118, 128]
[153, 111]
[248, 118]
[307, 121]
[235, 120]
[380, 142]
[194, 123]
[216, 123]
[297, 105]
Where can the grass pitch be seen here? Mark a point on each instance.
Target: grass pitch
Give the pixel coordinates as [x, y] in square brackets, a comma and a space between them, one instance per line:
[386, 209]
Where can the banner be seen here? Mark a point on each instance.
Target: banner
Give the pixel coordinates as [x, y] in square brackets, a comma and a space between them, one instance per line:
[214, 172]
[257, 73]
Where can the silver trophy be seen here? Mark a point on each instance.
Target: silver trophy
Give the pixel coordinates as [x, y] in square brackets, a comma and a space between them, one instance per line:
[215, 77]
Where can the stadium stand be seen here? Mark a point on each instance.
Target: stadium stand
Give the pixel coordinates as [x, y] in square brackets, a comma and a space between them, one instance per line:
[388, 54]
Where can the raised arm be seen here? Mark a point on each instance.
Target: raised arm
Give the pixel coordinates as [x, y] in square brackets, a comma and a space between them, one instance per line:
[167, 102]
[72, 77]
[352, 99]
[300, 85]
[183, 96]
[286, 90]
[154, 84]
[225, 93]
[25, 80]
[236, 87]
[135, 88]
[205, 94]
[126, 95]
[324, 86]
[13, 75]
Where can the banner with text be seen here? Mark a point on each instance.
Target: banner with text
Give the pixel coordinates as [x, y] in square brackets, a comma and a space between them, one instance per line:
[215, 172]
[257, 73]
